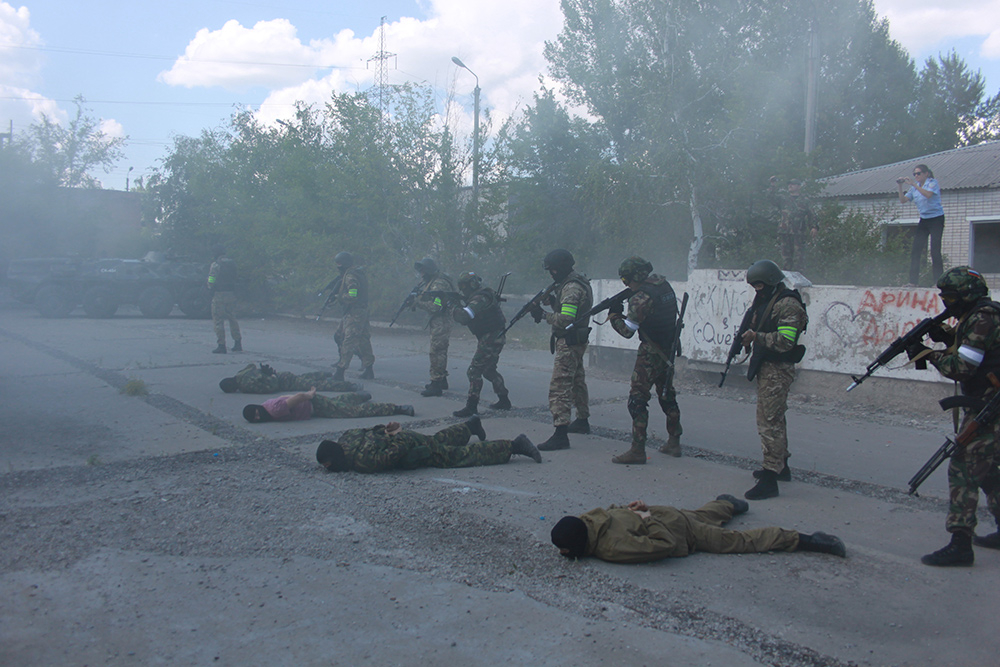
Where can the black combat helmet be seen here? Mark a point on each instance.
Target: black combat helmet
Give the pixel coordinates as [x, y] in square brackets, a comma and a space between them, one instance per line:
[218, 250]
[469, 282]
[426, 266]
[344, 259]
[765, 271]
[559, 263]
[634, 269]
[961, 287]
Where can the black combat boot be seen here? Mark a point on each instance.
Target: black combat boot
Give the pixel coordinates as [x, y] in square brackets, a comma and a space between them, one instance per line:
[784, 476]
[221, 349]
[475, 426]
[991, 541]
[471, 405]
[435, 388]
[739, 506]
[672, 447]
[502, 404]
[558, 440]
[521, 445]
[405, 410]
[338, 375]
[822, 543]
[766, 487]
[579, 426]
[368, 373]
[958, 553]
[238, 346]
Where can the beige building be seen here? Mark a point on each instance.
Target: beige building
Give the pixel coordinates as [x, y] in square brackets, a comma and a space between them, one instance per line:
[970, 194]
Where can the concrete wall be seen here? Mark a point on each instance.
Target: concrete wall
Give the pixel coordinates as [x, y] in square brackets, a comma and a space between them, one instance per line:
[848, 326]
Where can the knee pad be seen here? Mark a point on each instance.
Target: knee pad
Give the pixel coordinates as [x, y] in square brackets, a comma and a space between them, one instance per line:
[636, 407]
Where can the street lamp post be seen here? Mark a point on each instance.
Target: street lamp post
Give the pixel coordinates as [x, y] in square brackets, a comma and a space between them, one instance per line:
[475, 136]
[126, 177]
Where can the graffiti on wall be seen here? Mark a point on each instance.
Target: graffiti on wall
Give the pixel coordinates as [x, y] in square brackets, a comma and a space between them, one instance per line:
[714, 314]
[880, 317]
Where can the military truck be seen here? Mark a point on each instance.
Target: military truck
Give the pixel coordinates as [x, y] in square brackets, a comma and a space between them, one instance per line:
[155, 283]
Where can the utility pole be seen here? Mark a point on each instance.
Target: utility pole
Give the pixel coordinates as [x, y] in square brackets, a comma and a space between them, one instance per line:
[811, 76]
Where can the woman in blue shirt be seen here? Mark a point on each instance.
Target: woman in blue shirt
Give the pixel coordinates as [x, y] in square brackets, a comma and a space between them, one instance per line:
[926, 194]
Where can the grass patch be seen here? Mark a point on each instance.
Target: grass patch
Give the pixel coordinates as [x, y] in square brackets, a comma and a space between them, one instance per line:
[135, 387]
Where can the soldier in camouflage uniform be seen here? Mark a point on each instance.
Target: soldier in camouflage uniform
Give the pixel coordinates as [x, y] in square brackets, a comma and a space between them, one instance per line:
[222, 285]
[778, 319]
[797, 224]
[308, 404]
[569, 298]
[434, 280]
[265, 380]
[970, 359]
[652, 311]
[353, 337]
[389, 447]
[483, 316]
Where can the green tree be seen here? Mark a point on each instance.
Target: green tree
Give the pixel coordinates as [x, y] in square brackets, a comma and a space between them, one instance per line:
[68, 154]
[949, 99]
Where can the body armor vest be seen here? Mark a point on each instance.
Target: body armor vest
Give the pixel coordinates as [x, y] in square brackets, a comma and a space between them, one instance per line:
[659, 324]
[979, 383]
[491, 318]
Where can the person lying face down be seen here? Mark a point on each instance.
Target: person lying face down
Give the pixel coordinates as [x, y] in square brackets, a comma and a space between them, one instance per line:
[265, 380]
[390, 447]
[639, 533]
[308, 404]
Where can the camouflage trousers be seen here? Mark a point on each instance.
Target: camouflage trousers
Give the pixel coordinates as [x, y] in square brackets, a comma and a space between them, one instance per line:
[347, 406]
[251, 380]
[451, 448]
[793, 251]
[651, 369]
[484, 365]
[705, 533]
[354, 337]
[972, 468]
[440, 326]
[224, 310]
[773, 382]
[568, 387]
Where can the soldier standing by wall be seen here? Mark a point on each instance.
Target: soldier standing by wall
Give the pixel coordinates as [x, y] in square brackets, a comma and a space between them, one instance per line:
[652, 311]
[571, 297]
[353, 336]
[440, 323]
[222, 284]
[778, 319]
[485, 319]
[974, 354]
[797, 225]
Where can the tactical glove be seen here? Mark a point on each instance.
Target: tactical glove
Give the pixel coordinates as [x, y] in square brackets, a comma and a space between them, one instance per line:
[617, 308]
[537, 313]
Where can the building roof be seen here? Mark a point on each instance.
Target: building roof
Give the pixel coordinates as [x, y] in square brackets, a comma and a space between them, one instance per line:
[969, 167]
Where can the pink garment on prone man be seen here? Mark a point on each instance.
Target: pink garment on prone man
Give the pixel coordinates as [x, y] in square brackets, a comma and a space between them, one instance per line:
[279, 411]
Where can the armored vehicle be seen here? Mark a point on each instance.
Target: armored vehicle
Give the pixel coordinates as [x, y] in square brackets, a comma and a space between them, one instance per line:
[154, 283]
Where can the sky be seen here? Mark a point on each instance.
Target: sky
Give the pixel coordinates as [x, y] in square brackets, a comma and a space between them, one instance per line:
[152, 71]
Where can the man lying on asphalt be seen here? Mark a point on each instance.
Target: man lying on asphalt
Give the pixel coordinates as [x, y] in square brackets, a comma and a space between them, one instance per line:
[307, 404]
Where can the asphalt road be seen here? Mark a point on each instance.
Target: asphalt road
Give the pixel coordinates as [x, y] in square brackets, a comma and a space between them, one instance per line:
[164, 529]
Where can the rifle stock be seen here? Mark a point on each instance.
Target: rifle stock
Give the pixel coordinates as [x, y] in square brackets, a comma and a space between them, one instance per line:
[898, 346]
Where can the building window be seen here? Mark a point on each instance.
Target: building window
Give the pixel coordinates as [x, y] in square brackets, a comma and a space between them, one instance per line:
[985, 244]
[893, 229]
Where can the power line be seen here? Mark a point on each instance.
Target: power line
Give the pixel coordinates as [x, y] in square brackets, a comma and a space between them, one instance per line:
[19, 98]
[143, 56]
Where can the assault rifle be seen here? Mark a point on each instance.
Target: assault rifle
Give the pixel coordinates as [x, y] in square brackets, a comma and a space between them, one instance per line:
[985, 417]
[898, 346]
[675, 344]
[535, 300]
[734, 349]
[332, 288]
[601, 307]
[408, 301]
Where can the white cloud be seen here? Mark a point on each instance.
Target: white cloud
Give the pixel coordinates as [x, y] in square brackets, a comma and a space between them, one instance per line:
[921, 25]
[500, 41]
[111, 128]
